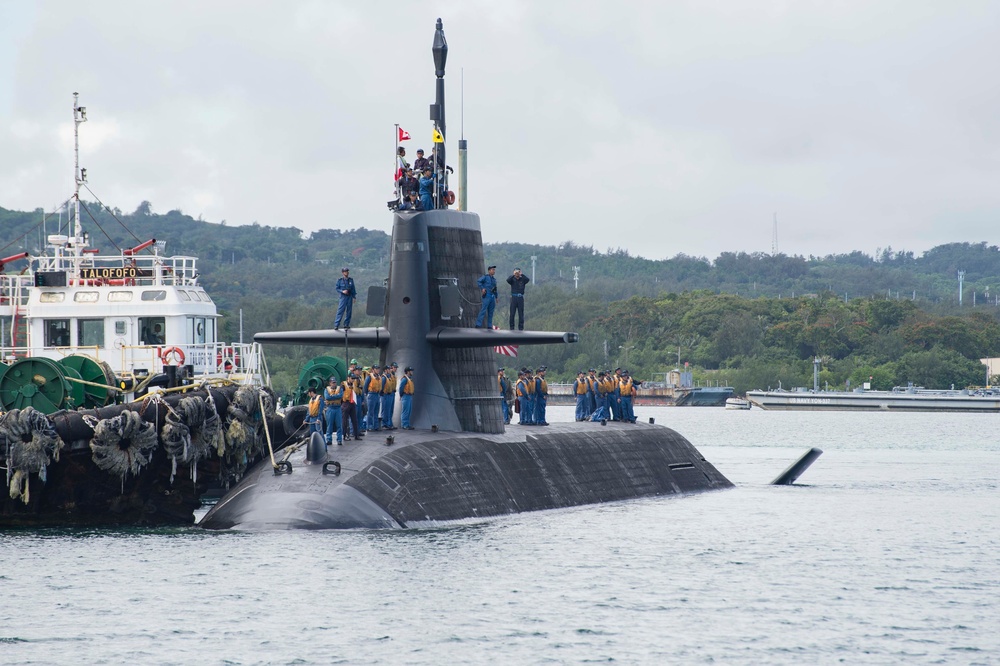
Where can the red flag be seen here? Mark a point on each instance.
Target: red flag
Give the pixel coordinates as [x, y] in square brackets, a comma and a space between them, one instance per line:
[506, 350]
[403, 134]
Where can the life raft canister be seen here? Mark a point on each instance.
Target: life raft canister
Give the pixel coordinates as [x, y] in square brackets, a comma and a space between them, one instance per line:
[227, 358]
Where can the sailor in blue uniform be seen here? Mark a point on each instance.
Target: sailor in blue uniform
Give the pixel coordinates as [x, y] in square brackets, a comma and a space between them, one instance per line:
[332, 396]
[524, 388]
[504, 385]
[373, 397]
[348, 294]
[580, 388]
[406, 398]
[517, 281]
[488, 285]
[427, 190]
[541, 396]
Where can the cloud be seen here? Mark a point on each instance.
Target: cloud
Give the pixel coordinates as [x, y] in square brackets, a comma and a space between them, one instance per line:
[677, 127]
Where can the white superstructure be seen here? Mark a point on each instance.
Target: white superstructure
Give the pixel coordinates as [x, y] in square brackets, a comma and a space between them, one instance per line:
[137, 311]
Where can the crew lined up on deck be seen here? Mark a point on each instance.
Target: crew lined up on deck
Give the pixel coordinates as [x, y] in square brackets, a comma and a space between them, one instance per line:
[605, 395]
[363, 402]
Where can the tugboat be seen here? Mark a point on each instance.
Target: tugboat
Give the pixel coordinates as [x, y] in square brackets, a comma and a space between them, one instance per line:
[112, 375]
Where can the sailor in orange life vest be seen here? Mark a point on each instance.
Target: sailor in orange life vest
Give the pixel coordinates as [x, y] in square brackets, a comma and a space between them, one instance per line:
[580, 388]
[388, 395]
[373, 397]
[406, 398]
[524, 388]
[541, 396]
[349, 406]
[333, 394]
[315, 408]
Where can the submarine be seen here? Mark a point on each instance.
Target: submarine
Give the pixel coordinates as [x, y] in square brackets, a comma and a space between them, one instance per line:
[460, 462]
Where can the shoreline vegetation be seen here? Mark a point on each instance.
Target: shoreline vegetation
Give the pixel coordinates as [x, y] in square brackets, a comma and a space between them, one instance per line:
[747, 320]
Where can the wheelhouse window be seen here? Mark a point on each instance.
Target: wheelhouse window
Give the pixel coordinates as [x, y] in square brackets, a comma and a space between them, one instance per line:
[86, 296]
[51, 297]
[57, 332]
[90, 332]
[120, 296]
[200, 330]
[154, 295]
[152, 330]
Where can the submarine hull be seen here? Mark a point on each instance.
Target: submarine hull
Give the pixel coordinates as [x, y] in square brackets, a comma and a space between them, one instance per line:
[430, 478]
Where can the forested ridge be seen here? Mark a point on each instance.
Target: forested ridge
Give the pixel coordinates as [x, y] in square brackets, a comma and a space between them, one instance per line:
[750, 320]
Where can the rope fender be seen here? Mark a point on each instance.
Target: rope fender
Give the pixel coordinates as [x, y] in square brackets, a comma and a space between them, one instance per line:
[191, 431]
[244, 430]
[31, 443]
[123, 444]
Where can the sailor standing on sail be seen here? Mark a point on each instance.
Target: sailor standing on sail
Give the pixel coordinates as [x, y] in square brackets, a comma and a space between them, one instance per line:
[488, 285]
[348, 294]
[517, 282]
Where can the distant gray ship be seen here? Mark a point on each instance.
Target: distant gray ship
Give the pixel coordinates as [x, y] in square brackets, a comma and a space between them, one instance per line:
[900, 399]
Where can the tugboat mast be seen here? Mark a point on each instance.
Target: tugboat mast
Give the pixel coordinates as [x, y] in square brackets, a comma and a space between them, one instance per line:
[79, 178]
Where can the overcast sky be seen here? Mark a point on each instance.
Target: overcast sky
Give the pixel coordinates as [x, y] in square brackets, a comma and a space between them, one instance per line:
[659, 127]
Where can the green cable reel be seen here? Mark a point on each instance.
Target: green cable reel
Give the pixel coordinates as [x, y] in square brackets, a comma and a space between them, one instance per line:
[35, 382]
[316, 372]
[94, 371]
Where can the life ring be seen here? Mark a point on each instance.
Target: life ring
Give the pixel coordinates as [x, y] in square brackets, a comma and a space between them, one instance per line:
[177, 352]
[449, 197]
[227, 358]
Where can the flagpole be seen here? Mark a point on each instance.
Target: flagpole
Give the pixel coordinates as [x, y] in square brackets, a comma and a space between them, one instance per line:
[395, 164]
[437, 169]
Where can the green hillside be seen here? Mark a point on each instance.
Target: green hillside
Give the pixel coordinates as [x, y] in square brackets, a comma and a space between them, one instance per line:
[745, 319]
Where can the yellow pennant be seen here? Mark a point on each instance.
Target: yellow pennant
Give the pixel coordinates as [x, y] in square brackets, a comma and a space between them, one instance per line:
[437, 136]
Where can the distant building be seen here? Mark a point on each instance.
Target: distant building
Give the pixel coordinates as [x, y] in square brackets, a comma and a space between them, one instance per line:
[992, 365]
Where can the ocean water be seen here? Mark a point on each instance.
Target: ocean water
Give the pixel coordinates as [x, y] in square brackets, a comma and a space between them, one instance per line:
[887, 551]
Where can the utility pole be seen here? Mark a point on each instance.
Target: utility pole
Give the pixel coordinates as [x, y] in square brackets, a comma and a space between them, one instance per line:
[576, 277]
[533, 258]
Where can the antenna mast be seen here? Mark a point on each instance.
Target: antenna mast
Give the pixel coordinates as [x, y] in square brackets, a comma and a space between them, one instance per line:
[79, 175]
